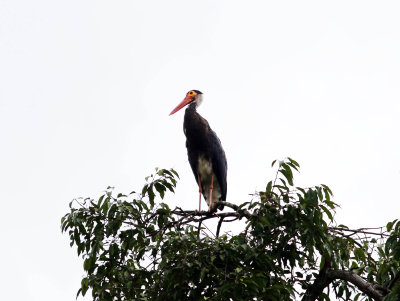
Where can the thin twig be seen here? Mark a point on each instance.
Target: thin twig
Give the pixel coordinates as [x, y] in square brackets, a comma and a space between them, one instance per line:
[221, 219]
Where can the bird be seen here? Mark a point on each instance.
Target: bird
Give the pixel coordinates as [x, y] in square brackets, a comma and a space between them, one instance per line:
[205, 153]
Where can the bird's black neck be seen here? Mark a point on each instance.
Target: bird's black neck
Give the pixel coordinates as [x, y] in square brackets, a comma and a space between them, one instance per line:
[191, 115]
[191, 107]
[195, 127]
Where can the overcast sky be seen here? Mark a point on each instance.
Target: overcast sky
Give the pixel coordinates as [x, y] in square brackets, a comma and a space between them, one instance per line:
[87, 86]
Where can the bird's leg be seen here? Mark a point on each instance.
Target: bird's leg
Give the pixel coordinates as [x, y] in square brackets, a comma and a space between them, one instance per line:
[211, 188]
[198, 176]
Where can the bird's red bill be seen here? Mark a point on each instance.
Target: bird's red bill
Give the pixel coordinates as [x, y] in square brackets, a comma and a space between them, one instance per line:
[184, 102]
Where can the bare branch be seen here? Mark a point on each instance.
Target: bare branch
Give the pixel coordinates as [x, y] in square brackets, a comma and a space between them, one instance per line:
[361, 231]
[221, 219]
[326, 276]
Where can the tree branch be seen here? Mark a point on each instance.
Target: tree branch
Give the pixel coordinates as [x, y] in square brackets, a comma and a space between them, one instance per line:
[238, 212]
[221, 219]
[361, 230]
[326, 276]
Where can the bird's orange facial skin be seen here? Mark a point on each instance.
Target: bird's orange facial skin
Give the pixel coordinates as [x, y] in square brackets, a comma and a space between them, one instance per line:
[188, 99]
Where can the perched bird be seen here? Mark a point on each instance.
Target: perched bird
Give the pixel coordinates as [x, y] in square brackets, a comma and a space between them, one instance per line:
[205, 152]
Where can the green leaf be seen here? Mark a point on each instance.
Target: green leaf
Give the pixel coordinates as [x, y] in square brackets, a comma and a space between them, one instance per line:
[340, 291]
[320, 196]
[389, 225]
[160, 189]
[151, 194]
[327, 212]
[293, 162]
[359, 254]
[84, 286]
[287, 173]
[175, 173]
[268, 189]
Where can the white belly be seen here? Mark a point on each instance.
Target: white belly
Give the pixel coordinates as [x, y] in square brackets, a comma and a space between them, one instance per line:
[205, 170]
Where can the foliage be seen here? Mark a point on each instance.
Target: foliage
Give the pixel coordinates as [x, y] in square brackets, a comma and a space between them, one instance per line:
[135, 247]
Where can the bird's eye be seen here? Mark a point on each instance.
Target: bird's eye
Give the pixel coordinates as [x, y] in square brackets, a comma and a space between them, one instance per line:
[191, 92]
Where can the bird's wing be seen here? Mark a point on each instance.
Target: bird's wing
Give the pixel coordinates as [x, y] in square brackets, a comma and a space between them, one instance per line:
[219, 163]
[192, 156]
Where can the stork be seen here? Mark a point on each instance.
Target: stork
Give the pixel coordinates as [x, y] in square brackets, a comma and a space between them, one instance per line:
[205, 152]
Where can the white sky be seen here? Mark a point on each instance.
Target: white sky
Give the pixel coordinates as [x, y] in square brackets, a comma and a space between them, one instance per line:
[87, 86]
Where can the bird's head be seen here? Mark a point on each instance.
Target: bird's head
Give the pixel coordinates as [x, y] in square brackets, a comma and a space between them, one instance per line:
[193, 96]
